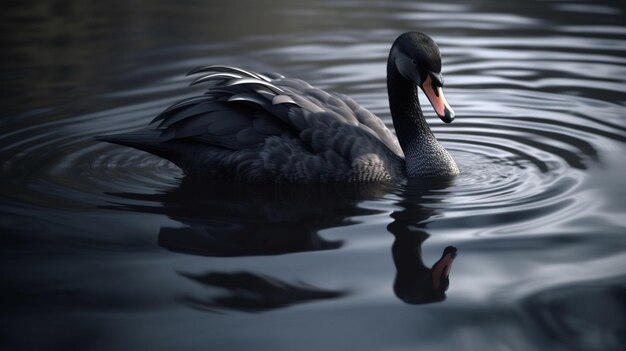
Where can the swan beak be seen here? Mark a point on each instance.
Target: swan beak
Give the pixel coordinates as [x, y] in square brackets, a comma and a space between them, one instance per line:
[441, 269]
[434, 92]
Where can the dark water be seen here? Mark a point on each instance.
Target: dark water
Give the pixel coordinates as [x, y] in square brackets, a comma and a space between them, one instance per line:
[104, 247]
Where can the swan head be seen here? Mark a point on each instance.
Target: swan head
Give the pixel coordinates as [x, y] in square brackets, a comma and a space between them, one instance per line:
[417, 58]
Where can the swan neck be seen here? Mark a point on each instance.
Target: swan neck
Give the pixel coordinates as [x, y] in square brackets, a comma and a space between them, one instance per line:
[409, 122]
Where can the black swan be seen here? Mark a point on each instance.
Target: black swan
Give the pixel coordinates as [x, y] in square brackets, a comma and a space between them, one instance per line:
[253, 127]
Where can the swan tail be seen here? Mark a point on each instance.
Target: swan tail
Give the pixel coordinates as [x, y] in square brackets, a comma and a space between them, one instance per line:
[146, 140]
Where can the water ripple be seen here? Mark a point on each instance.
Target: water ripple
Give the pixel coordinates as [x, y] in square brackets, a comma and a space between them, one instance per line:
[517, 144]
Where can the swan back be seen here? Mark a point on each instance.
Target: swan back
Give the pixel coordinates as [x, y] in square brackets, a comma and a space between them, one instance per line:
[265, 127]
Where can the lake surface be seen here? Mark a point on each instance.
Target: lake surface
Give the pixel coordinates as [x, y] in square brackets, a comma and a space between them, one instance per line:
[107, 248]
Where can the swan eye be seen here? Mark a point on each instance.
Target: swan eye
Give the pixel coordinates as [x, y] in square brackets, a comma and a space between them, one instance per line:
[414, 62]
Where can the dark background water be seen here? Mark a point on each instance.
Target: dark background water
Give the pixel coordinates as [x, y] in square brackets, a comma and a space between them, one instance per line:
[103, 247]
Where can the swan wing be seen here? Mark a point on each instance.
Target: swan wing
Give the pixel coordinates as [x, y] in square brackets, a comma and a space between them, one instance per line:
[240, 109]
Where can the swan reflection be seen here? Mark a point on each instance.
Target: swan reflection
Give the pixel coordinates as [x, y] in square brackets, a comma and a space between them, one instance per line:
[231, 219]
[415, 283]
[224, 219]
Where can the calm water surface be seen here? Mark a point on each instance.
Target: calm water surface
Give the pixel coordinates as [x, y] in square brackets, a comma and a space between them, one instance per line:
[105, 247]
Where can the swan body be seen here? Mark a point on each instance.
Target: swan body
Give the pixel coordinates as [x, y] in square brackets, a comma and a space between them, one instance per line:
[253, 127]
